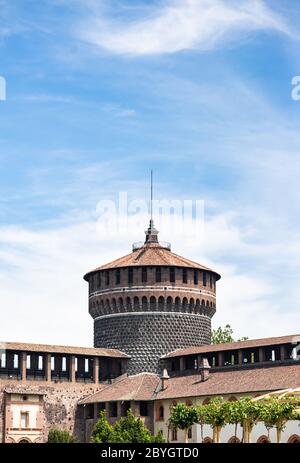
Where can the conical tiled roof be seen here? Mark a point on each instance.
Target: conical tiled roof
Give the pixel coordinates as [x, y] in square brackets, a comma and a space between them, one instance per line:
[152, 254]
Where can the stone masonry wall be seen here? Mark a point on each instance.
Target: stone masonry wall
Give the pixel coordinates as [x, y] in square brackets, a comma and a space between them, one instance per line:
[60, 404]
[148, 336]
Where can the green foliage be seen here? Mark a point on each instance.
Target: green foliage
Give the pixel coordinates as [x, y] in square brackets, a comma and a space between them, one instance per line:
[224, 335]
[274, 412]
[159, 438]
[129, 429]
[103, 430]
[60, 436]
[215, 412]
[183, 416]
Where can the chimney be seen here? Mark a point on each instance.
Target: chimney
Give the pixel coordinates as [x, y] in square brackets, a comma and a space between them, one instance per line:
[164, 379]
[203, 368]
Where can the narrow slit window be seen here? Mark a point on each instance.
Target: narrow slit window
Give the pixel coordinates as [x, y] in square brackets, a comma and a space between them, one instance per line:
[172, 275]
[196, 277]
[130, 275]
[184, 275]
[158, 274]
[144, 274]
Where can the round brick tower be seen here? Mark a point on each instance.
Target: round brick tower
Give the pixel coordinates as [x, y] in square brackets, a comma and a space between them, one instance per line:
[151, 302]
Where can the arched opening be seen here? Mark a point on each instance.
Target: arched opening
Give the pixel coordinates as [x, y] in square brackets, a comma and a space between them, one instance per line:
[174, 434]
[121, 305]
[173, 404]
[232, 398]
[189, 403]
[161, 303]
[192, 305]
[197, 306]
[128, 304]
[177, 304]
[263, 440]
[144, 304]
[114, 304]
[102, 307]
[206, 401]
[107, 306]
[184, 304]
[24, 441]
[169, 304]
[152, 304]
[234, 440]
[294, 439]
[160, 413]
[136, 303]
[207, 440]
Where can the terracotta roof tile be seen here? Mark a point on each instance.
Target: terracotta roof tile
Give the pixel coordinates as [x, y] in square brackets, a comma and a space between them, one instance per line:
[137, 387]
[152, 254]
[146, 386]
[90, 351]
[234, 345]
[240, 381]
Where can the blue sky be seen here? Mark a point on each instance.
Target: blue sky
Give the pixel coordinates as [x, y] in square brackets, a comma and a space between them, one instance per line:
[100, 91]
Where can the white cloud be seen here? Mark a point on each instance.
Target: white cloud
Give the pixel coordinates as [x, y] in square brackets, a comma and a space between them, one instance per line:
[180, 25]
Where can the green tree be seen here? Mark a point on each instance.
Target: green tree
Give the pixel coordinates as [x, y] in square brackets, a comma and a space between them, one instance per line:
[60, 436]
[129, 429]
[103, 431]
[183, 417]
[275, 413]
[224, 335]
[215, 415]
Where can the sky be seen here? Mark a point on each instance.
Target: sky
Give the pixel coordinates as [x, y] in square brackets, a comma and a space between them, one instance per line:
[98, 92]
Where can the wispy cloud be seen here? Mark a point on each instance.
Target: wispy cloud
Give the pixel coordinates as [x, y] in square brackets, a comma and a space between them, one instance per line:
[182, 24]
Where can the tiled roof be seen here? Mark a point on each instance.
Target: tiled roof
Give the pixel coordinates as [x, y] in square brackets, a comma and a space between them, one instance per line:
[144, 386]
[137, 387]
[152, 254]
[11, 390]
[234, 345]
[52, 349]
[240, 381]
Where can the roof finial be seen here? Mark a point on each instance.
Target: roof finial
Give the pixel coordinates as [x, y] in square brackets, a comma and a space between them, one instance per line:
[151, 233]
[151, 197]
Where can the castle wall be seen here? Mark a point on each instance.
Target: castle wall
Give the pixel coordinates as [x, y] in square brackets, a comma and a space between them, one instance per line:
[148, 336]
[58, 410]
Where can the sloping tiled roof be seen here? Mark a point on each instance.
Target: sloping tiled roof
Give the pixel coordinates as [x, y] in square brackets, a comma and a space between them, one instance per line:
[144, 386]
[52, 349]
[240, 381]
[152, 254]
[234, 345]
[137, 387]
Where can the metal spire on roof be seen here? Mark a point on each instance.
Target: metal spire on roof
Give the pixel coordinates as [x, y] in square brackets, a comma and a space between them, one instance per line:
[151, 233]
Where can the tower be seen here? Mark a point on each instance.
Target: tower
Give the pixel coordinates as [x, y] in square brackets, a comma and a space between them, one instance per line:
[151, 302]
